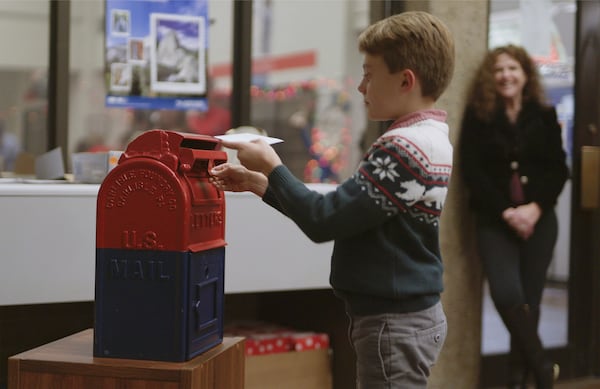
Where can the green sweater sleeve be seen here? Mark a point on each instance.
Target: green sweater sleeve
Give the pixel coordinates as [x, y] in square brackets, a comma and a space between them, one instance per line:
[342, 213]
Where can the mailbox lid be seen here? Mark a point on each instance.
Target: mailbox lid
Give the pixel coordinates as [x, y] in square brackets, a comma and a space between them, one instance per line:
[177, 150]
[163, 140]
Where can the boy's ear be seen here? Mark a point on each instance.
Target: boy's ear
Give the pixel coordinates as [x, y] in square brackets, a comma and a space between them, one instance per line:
[409, 79]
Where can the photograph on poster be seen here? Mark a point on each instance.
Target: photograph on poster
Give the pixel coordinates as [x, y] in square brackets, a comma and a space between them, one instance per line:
[164, 43]
[177, 54]
[121, 22]
[120, 77]
[136, 51]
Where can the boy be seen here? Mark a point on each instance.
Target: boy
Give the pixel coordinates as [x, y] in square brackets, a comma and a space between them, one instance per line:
[386, 264]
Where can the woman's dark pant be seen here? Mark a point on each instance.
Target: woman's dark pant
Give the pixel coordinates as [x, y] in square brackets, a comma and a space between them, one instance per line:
[516, 268]
[516, 272]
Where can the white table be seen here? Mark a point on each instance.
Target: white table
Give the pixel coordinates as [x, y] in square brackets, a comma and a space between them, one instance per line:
[47, 245]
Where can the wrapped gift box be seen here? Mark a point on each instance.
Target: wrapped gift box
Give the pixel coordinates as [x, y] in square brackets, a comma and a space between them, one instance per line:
[274, 360]
[268, 343]
[310, 341]
[267, 338]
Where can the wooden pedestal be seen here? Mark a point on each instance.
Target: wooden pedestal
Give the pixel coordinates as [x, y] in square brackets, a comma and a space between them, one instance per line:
[69, 363]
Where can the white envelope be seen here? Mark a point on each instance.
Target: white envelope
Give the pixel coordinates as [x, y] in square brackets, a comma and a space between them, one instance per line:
[244, 137]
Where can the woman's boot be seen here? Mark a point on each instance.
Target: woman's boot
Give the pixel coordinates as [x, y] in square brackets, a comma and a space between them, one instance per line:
[518, 371]
[517, 368]
[523, 328]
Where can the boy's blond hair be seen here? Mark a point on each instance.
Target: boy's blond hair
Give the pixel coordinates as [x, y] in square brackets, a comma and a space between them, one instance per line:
[417, 41]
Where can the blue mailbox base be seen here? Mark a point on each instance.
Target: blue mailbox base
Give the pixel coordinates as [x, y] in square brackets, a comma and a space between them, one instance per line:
[158, 305]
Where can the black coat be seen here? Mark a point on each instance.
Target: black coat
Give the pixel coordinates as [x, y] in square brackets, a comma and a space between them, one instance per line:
[488, 149]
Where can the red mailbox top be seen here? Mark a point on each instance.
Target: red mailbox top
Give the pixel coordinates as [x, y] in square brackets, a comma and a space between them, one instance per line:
[159, 198]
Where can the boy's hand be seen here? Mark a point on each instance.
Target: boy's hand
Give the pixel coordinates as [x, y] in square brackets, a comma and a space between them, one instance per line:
[257, 155]
[236, 178]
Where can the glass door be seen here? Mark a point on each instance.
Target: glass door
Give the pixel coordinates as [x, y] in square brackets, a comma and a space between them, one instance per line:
[551, 42]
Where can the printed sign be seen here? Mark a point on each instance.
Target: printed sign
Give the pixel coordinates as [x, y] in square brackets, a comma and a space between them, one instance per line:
[155, 54]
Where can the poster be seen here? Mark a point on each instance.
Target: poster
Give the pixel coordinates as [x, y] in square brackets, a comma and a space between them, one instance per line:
[155, 54]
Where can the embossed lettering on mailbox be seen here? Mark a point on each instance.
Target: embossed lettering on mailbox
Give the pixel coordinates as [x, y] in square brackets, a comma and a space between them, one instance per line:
[138, 269]
[147, 240]
[141, 180]
[202, 220]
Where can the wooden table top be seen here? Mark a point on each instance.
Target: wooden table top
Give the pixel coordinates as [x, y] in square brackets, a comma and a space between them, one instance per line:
[78, 349]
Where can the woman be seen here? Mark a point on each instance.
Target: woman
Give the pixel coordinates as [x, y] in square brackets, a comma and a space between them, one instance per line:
[513, 165]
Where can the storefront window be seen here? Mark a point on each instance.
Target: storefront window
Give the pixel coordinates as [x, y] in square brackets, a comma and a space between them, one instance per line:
[304, 83]
[95, 127]
[23, 76]
[550, 40]
[303, 87]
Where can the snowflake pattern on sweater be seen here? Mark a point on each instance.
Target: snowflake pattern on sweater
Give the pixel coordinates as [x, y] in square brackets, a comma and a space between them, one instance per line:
[408, 169]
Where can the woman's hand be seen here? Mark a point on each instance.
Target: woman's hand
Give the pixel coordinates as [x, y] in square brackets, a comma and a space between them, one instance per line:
[236, 178]
[522, 219]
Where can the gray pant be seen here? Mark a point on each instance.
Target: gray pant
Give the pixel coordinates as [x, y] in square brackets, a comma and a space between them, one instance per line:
[397, 350]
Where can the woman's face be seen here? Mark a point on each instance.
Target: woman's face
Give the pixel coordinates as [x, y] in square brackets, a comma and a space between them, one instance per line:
[509, 76]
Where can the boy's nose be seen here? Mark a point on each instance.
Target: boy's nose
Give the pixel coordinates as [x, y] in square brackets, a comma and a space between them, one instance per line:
[361, 87]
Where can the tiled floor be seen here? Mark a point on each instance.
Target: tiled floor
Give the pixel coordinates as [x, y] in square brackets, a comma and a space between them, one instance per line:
[576, 384]
[580, 384]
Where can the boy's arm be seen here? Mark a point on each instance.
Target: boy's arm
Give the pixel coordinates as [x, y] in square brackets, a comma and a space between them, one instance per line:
[338, 214]
[257, 155]
[391, 180]
[236, 178]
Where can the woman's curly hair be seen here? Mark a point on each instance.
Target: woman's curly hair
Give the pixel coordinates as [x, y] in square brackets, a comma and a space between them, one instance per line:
[483, 96]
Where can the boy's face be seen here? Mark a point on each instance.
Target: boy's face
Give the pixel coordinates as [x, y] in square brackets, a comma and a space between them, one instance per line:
[381, 90]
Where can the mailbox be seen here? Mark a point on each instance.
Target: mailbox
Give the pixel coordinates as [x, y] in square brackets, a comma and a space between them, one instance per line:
[160, 250]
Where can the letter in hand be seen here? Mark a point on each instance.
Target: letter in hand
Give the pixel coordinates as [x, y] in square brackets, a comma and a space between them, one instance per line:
[256, 155]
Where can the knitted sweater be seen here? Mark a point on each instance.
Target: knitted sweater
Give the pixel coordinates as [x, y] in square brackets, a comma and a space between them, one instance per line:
[384, 219]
